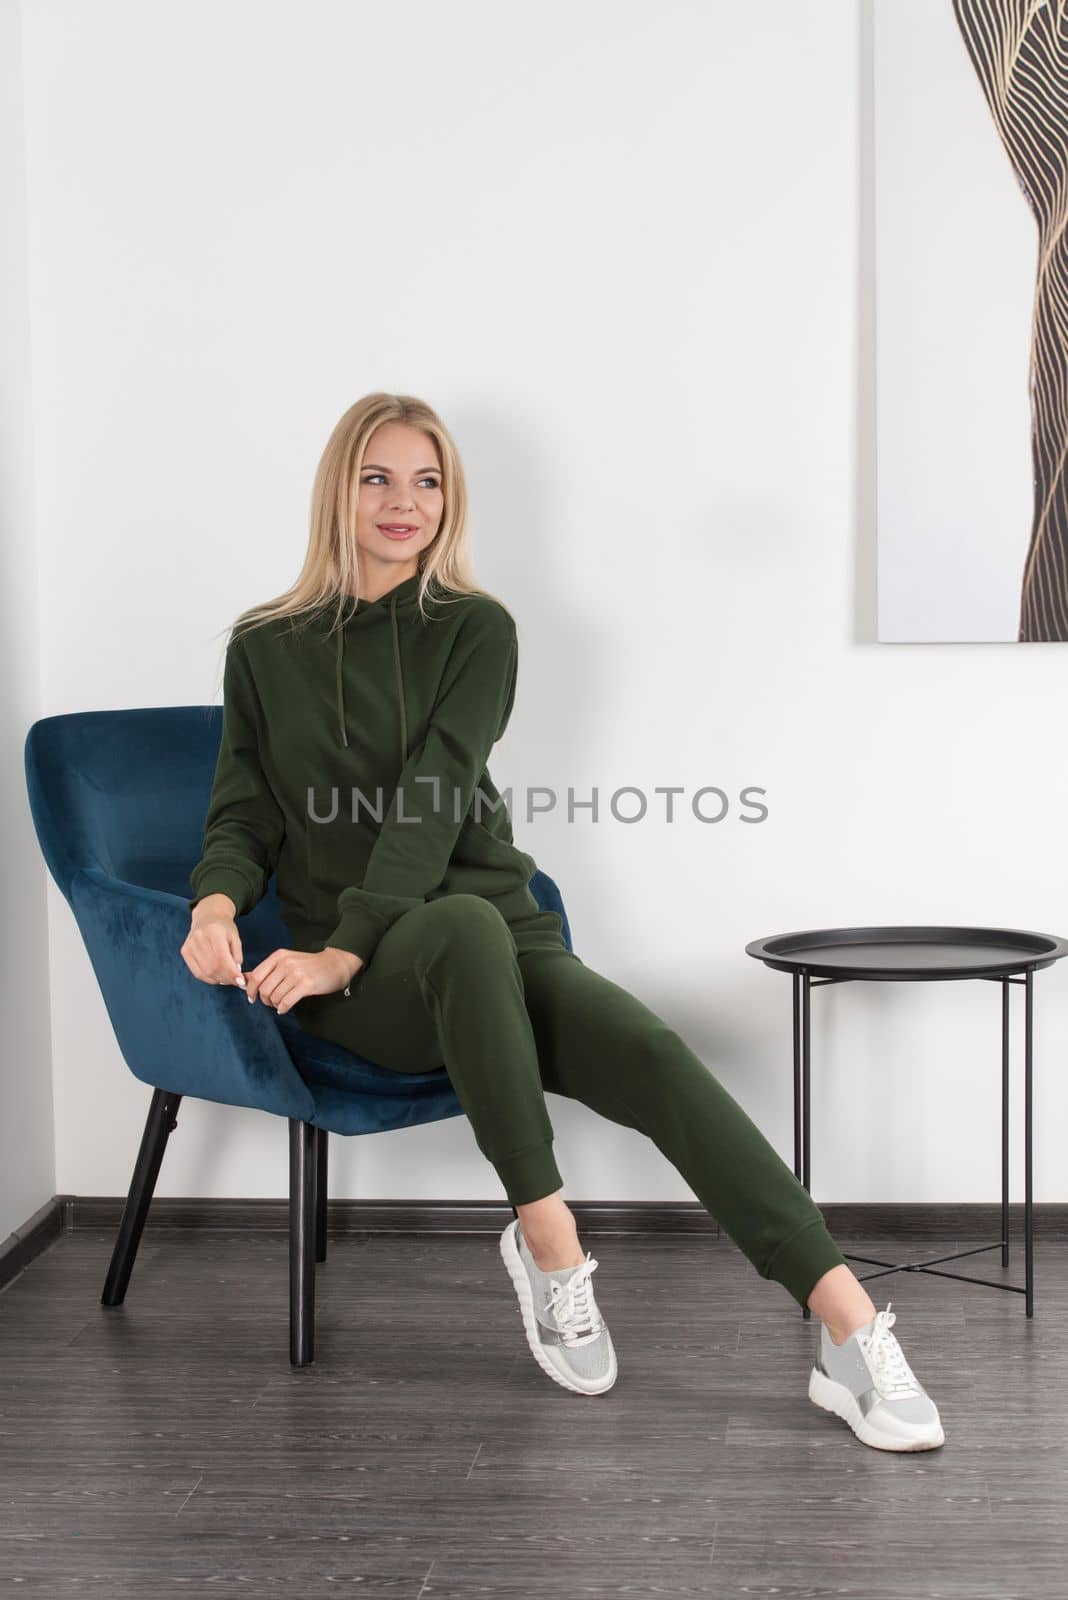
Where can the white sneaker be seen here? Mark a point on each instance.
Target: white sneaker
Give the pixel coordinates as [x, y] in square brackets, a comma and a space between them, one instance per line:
[868, 1383]
[567, 1335]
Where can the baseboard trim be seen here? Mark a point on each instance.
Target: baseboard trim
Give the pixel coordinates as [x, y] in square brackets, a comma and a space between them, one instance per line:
[847, 1221]
[27, 1242]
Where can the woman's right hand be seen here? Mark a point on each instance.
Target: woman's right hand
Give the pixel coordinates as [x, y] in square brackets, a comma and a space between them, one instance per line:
[212, 950]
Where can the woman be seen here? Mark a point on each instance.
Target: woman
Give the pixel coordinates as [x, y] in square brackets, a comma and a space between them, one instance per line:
[360, 708]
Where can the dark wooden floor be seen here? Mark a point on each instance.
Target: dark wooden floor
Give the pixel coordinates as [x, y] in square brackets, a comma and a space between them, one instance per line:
[167, 1446]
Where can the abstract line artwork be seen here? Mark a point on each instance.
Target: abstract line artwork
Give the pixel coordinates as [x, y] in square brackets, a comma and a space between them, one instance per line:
[1019, 50]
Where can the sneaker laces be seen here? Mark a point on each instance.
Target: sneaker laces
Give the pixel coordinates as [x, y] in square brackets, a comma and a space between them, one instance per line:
[893, 1375]
[573, 1308]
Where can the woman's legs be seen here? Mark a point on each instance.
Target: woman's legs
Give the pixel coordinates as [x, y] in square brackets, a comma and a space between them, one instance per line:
[601, 1045]
[444, 989]
[549, 1228]
[449, 985]
[841, 1301]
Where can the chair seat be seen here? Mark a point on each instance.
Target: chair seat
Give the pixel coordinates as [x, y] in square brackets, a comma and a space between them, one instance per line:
[353, 1095]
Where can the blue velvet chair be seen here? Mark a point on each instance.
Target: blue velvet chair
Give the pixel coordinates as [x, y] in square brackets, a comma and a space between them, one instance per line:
[119, 800]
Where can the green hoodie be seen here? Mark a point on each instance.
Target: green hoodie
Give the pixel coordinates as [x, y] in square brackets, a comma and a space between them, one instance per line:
[354, 765]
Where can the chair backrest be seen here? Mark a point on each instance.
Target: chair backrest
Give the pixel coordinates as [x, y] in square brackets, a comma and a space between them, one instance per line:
[125, 791]
[128, 792]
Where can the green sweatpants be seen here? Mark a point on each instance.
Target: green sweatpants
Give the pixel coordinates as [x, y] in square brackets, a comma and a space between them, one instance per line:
[510, 1013]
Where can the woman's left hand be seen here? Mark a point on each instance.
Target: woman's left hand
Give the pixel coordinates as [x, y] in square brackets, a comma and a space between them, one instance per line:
[286, 976]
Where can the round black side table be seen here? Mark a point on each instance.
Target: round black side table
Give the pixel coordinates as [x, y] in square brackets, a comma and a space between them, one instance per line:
[919, 954]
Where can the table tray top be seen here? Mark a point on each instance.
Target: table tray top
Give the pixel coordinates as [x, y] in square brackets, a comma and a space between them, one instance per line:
[896, 953]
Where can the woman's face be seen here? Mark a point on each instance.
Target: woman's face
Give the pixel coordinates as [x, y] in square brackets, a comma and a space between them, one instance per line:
[400, 483]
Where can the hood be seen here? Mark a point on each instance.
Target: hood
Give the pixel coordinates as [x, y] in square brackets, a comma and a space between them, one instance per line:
[361, 613]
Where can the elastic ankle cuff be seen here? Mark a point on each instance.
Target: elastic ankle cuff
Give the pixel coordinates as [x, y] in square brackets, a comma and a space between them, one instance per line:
[530, 1174]
[800, 1261]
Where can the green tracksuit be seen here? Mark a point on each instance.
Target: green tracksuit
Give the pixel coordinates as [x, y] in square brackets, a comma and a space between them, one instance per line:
[353, 764]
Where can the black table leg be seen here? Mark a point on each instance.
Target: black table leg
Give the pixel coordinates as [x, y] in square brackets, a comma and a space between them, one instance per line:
[802, 1077]
[797, 1076]
[1029, 1240]
[1028, 981]
[806, 1077]
[1005, 1122]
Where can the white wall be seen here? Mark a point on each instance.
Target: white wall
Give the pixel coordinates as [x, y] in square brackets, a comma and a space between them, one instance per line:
[27, 1140]
[627, 253]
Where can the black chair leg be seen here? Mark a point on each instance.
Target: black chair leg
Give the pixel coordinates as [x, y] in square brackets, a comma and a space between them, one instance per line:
[160, 1124]
[303, 1189]
[320, 1193]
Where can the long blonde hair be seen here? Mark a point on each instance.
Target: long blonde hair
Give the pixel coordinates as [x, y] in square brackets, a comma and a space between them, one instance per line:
[331, 569]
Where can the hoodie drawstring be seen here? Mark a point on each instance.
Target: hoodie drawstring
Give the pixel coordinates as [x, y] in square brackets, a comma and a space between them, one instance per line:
[400, 682]
[340, 660]
[340, 691]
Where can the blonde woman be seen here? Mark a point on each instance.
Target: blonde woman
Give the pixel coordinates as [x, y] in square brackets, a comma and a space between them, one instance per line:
[383, 677]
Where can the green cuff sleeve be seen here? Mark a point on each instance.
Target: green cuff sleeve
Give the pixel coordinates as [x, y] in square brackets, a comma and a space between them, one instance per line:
[365, 917]
[223, 880]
